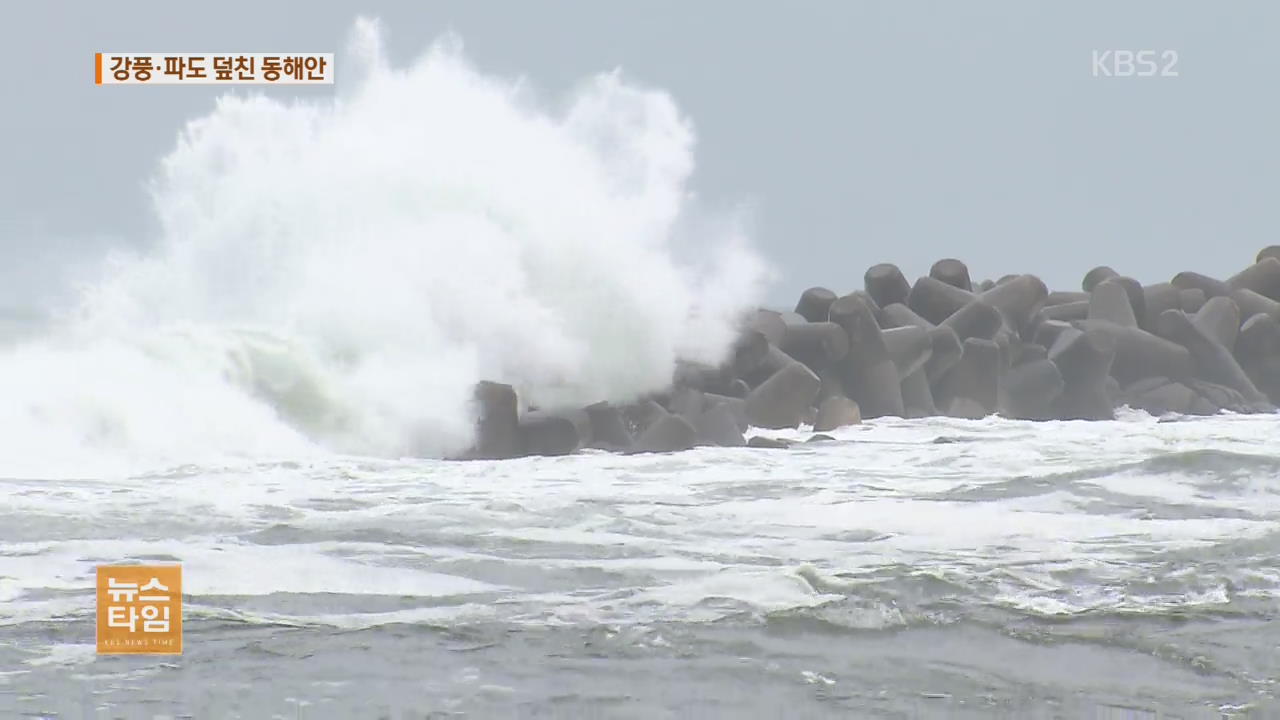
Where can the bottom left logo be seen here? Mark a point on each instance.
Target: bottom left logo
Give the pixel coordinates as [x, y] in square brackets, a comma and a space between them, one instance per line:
[140, 609]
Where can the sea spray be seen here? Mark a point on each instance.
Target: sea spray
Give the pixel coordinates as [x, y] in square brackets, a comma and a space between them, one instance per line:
[336, 274]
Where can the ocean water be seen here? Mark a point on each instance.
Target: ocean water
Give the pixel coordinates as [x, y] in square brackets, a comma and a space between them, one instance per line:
[908, 569]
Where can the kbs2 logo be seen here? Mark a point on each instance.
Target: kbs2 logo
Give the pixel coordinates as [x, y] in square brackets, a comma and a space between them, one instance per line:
[1134, 63]
[140, 609]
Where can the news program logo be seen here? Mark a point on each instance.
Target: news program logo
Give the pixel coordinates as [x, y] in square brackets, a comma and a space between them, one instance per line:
[139, 609]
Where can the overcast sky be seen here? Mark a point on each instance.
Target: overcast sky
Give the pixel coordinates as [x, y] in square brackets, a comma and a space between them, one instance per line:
[858, 132]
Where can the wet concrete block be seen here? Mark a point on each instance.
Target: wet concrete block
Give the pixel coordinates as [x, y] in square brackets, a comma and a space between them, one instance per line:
[774, 360]
[867, 300]
[1031, 352]
[608, 429]
[668, 433]
[1251, 303]
[686, 402]
[638, 416]
[1063, 297]
[1159, 396]
[1219, 318]
[1084, 359]
[1028, 390]
[1190, 300]
[768, 323]
[1258, 352]
[899, 315]
[1222, 397]
[718, 426]
[947, 350]
[767, 443]
[820, 345]
[832, 380]
[836, 412]
[1140, 354]
[1066, 312]
[869, 375]
[968, 408]
[781, 401]
[935, 300]
[736, 406]
[975, 377]
[702, 376]
[909, 347]
[1263, 277]
[1047, 332]
[546, 433]
[749, 351]
[1110, 301]
[814, 303]
[1211, 287]
[1137, 296]
[976, 319]
[1018, 299]
[946, 344]
[952, 272]
[497, 422]
[1213, 362]
[1157, 298]
[886, 284]
[1095, 276]
[917, 396]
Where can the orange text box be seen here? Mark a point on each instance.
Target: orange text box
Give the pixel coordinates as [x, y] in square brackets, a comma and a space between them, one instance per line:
[140, 609]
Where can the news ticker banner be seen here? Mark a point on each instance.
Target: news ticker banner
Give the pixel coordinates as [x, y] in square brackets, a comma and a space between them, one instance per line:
[144, 68]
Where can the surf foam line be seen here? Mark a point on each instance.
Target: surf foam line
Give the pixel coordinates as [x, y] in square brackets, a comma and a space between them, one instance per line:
[338, 273]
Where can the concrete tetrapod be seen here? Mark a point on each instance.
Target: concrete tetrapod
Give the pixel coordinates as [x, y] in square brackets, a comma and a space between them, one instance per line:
[835, 412]
[973, 382]
[1251, 303]
[1263, 277]
[1018, 299]
[497, 422]
[1084, 360]
[952, 272]
[1211, 287]
[1219, 318]
[1110, 301]
[1027, 391]
[1258, 352]
[886, 284]
[869, 375]
[782, 400]
[814, 303]
[935, 300]
[1213, 362]
[1140, 354]
[667, 433]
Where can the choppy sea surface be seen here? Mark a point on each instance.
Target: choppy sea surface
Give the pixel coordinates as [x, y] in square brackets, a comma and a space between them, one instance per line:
[908, 569]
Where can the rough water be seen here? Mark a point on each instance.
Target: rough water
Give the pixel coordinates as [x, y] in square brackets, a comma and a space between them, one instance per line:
[909, 569]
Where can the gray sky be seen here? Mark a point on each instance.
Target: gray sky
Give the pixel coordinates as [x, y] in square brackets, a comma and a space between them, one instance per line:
[859, 132]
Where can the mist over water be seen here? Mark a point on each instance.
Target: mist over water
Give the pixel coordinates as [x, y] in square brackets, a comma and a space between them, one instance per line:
[336, 274]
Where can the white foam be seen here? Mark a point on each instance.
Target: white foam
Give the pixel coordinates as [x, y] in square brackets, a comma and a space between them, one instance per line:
[340, 272]
[848, 530]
